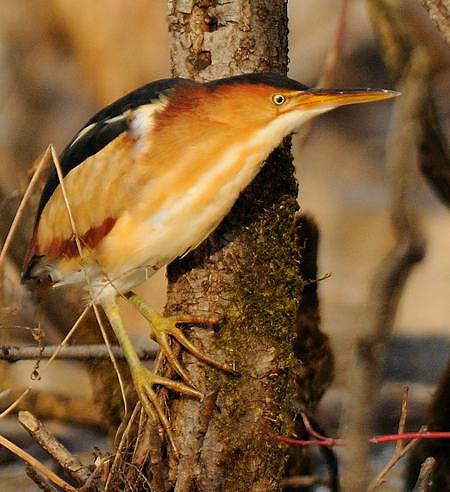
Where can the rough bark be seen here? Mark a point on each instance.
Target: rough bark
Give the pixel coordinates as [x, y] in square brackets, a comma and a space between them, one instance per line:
[246, 273]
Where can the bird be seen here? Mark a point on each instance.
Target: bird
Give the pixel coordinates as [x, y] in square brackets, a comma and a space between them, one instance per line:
[147, 179]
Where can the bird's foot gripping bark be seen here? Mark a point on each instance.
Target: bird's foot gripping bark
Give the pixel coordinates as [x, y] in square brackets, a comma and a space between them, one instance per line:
[144, 379]
[163, 327]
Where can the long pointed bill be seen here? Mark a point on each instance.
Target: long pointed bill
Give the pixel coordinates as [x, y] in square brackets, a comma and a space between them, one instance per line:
[326, 99]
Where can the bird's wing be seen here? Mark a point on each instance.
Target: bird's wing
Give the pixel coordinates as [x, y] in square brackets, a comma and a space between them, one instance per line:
[104, 127]
[96, 169]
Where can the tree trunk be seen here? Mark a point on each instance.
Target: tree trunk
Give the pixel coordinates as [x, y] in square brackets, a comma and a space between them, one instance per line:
[246, 274]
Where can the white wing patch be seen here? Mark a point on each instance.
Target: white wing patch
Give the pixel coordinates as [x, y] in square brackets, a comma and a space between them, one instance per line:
[141, 122]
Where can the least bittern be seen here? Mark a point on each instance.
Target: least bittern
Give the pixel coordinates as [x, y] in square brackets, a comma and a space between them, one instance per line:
[149, 177]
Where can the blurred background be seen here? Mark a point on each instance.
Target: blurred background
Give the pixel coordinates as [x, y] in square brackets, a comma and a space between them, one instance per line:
[61, 61]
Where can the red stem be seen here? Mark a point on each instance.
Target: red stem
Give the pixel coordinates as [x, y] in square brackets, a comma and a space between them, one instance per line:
[329, 442]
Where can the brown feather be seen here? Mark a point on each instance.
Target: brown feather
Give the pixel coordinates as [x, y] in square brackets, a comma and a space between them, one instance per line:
[67, 247]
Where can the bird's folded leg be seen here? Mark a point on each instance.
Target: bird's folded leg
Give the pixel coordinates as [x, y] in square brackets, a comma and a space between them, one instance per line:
[163, 327]
[144, 379]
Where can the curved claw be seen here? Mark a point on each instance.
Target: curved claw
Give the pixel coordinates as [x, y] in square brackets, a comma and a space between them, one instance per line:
[188, 345]
[163, 341]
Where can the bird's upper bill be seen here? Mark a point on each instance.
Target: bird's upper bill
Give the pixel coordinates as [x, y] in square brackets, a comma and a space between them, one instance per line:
[326, 99]
[322, 100]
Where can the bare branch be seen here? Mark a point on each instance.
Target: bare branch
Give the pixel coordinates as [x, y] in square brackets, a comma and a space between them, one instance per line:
[391, 277]
[72, 352]
[54, 448]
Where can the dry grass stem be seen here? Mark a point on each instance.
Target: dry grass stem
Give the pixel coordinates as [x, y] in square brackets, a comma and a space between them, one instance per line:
[80, 252]
[42, 163]
[403, 417]
[23, 455]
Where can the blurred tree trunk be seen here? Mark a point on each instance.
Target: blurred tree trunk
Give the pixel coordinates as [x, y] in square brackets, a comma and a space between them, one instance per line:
[246, 274]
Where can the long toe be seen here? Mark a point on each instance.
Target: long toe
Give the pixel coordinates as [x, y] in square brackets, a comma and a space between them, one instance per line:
[162, 327]
[177, 333]
[144, 380]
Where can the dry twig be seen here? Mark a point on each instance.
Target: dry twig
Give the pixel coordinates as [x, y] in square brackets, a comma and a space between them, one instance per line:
[423, 482]
[42, 162]
[400, 448]
[53, 447]
[72, 352]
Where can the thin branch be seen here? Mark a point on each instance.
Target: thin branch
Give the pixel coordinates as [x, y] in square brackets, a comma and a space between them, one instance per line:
[422, 435]
[400, 447]
[398, 455]
[390, 279]
[72, 352]
[330, 442]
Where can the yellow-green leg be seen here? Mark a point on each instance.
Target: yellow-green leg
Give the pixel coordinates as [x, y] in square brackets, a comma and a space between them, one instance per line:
[163, 327]
[143, 378]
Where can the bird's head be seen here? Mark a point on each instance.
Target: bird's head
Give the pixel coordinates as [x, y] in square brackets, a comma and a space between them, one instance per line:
[262, 99]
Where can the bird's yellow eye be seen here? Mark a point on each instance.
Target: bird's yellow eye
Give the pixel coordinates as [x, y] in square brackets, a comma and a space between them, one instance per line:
[278, 99]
